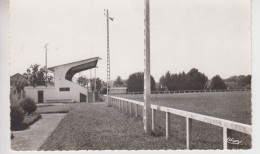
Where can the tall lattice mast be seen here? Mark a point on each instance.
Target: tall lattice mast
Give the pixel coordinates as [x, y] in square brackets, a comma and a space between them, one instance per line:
[108, 58]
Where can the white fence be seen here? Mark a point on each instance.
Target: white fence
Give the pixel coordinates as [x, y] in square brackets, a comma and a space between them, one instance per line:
[120, 103]
[182, 91]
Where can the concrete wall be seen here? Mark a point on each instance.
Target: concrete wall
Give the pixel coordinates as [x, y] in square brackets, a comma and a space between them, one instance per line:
[54, 93]
[118, 90]
[33, 92]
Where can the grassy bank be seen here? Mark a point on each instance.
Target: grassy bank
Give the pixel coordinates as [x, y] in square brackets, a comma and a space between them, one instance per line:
[97, 127]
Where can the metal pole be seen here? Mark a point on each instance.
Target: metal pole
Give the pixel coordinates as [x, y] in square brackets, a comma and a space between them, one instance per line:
[108, 61]
[147, 80]
[46, 49]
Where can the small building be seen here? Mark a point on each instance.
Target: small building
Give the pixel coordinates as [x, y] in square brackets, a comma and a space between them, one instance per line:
[16, 78]
[117, 90]
[64, 90]
[17, 83]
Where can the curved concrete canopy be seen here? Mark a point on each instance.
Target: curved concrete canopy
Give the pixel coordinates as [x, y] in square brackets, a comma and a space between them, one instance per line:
[75, 67]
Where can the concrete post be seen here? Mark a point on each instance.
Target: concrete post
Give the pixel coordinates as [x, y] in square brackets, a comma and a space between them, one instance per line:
[136, 110]
[167, 125]
[153, 119]
[130, 109]
[147, 77]
[224, 137]
[188, 132]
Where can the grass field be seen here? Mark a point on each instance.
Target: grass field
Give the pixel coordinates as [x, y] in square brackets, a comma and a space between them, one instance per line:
[234, 106]
[97, 127]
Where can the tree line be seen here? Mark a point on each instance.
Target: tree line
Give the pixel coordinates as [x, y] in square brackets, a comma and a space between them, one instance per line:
[192, 80]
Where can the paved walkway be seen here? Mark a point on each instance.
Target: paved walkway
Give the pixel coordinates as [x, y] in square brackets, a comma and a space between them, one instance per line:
[36, 134]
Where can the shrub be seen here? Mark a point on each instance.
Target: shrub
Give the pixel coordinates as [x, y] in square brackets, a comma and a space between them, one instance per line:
[17, 115]
[28, 105]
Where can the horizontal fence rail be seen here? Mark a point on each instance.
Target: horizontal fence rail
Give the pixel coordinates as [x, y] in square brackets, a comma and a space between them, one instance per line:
[181, 91]
[119, 103]
[225, 124]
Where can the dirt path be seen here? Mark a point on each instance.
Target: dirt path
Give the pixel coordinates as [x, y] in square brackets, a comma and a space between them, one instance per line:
[36, 134]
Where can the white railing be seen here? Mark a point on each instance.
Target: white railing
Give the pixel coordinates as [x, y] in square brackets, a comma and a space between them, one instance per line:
[181, 91]
[225, 124]
[122, 103]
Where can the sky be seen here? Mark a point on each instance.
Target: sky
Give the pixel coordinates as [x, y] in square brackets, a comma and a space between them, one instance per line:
[213, 36]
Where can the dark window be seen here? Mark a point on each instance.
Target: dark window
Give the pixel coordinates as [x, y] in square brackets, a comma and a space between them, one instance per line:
[64, 89]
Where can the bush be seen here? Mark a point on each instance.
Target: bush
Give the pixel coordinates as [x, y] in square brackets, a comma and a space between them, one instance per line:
[28, 105]
[17, 115]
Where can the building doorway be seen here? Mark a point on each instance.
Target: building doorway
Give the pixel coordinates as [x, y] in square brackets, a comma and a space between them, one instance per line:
[40, 96]
[82, 97]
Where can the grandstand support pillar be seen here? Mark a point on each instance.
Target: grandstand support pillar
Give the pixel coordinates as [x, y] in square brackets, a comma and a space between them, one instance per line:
[147, 77]
[22, 94]
[95, 87]
[16, 95]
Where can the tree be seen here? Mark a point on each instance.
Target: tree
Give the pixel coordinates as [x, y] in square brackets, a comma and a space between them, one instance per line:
[135, 82]
[217, 83]
[196, 80]
[99, 84]
[83, 81]
[193, 80]
[118, 82]
[239, 82]
[36, 76]
[19, 85]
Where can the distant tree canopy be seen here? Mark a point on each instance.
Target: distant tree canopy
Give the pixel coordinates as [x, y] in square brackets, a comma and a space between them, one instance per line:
[19, 85]
[239, 82]
[119, 82]
[37, 76]
[83, 81]
[217, 83]
[135, 82]
[193, 80]
[99, 84]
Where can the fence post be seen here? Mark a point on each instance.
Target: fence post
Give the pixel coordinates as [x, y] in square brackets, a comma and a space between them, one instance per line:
[153, 119]
[224, 137]
[126, 107]
[167, 125]
[122, 105]
[130, 110]
[136, 110]
[188, 132]
[119, 105]
[114, 101]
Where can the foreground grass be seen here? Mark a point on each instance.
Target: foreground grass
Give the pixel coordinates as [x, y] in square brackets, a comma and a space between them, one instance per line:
[97, 127]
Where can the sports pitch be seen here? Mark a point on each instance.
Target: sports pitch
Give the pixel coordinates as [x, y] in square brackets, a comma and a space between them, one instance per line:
[234, 106]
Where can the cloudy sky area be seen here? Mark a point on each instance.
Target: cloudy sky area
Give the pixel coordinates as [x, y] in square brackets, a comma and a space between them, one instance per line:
[213, 36]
